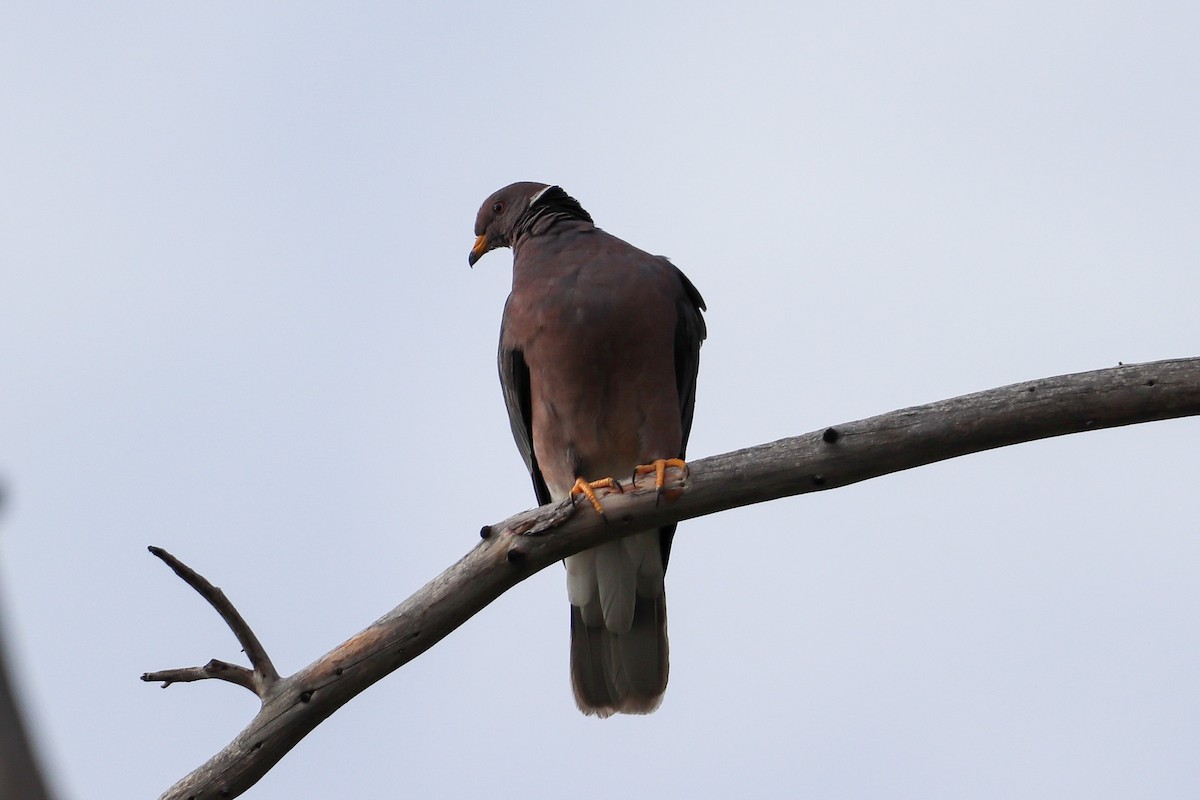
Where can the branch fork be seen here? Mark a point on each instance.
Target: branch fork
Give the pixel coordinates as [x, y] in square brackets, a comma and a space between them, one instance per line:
[261, 678]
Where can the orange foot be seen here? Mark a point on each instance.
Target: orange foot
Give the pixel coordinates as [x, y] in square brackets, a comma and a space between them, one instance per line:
[588, 490]
[659, 468]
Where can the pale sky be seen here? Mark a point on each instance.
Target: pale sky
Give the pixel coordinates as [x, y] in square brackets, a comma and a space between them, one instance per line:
[236, 321]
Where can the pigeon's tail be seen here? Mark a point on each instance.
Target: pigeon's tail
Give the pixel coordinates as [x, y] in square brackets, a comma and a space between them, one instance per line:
[618, 627]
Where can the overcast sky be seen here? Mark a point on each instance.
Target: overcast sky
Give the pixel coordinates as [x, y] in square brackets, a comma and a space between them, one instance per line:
[236, 321]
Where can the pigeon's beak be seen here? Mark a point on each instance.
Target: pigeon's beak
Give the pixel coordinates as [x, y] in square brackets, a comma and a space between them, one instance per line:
[481, 246]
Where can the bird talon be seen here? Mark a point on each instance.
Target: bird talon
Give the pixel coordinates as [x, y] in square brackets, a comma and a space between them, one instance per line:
[659, 468]
[588, 490]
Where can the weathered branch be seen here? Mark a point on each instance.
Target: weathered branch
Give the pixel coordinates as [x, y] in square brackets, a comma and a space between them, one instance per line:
[518, 547]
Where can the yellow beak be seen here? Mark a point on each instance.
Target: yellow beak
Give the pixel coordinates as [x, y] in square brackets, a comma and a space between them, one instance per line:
[481, 247]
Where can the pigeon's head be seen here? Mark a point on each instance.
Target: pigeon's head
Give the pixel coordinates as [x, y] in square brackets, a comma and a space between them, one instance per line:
[513, 209]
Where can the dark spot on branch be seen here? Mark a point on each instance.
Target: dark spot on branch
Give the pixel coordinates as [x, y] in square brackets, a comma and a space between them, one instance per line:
[515, 556]
[1031, 389]
[485, 531]
[337, 671]
[830, 435]
[256, 746]
[818, 480]
[306, 695]
[1150, 382]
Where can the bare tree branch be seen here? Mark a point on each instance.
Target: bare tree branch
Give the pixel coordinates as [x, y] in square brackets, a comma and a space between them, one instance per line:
[521, 545]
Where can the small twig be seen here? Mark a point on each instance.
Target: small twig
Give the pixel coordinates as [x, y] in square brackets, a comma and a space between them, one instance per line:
[215, 669]
[261, 680]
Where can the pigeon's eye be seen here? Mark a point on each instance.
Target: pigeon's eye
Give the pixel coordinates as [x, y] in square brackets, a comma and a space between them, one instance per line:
[497, 208]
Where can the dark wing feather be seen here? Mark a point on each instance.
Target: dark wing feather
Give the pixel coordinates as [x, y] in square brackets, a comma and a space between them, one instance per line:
[514, 380]
[690, 331]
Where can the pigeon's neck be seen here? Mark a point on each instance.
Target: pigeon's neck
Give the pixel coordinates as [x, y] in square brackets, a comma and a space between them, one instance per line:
[551, 208]
[549, 221]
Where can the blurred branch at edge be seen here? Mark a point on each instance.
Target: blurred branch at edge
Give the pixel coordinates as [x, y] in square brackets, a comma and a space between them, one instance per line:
[20, 775]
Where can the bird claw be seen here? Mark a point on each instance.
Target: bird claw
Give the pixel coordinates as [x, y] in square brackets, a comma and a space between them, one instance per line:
[588, 490]
[659, 467]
